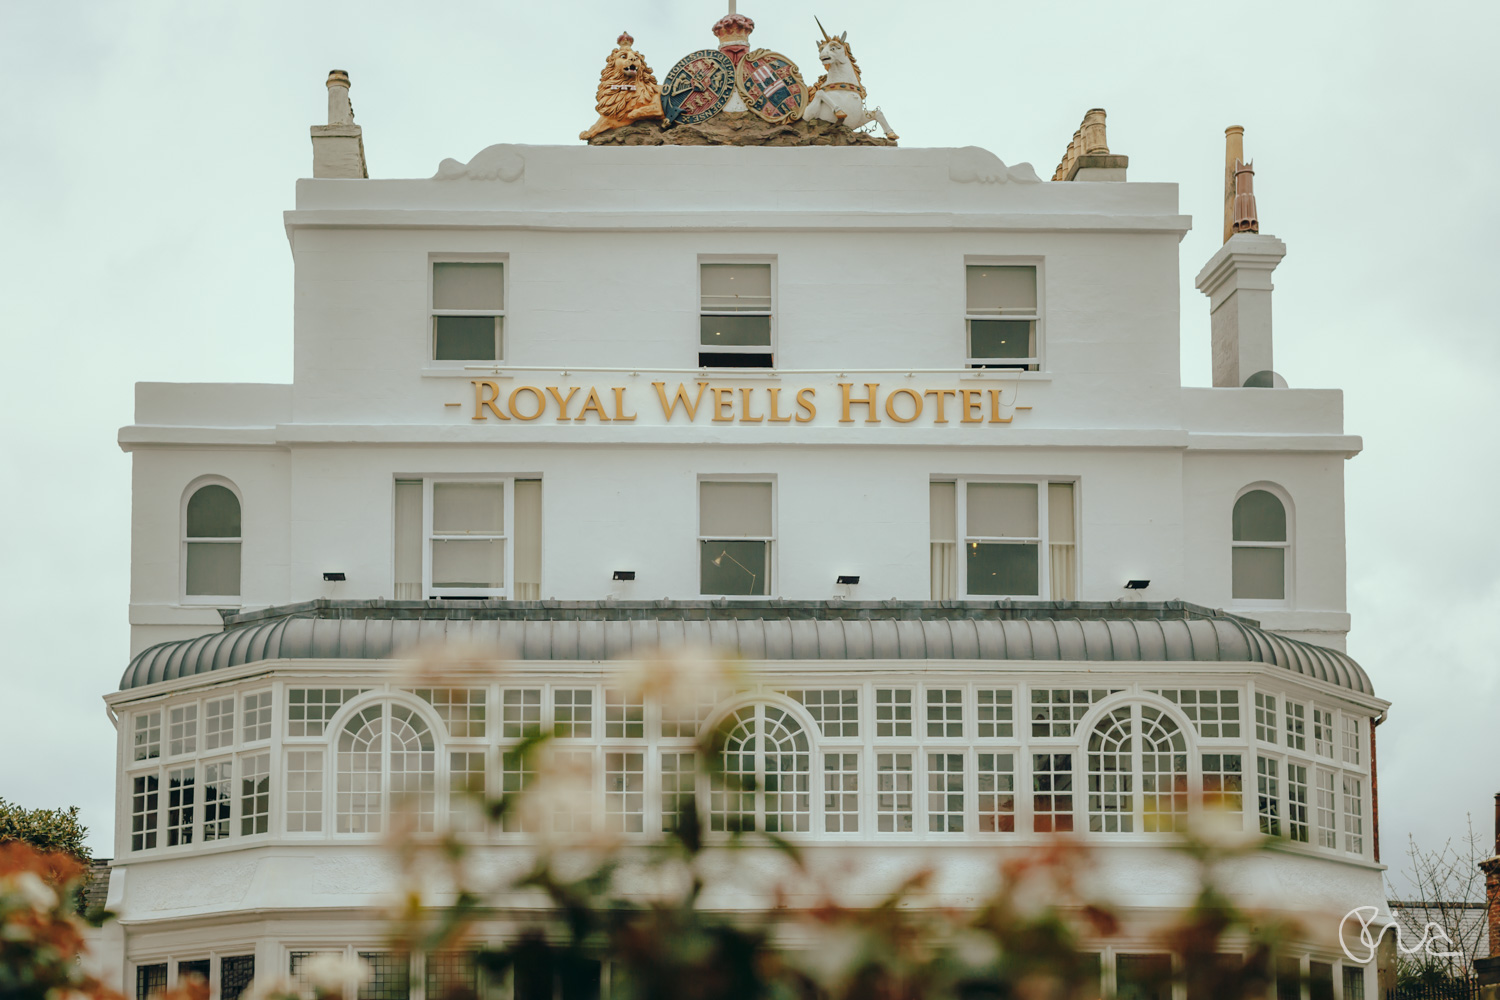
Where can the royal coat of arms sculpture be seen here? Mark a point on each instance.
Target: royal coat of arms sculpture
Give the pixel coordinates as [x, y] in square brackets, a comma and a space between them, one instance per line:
[770, 86]
[696, 88]
[712, 90]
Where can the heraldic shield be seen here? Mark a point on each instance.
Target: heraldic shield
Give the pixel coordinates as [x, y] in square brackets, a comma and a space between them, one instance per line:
[696, 88]
[770, 86]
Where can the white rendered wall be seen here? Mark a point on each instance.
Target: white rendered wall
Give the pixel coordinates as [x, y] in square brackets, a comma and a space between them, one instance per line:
[601, 249]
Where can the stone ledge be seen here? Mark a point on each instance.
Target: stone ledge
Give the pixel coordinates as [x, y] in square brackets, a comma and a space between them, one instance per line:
[721, 610]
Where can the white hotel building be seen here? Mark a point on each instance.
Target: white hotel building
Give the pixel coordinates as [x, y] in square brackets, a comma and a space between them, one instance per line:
[897, 426]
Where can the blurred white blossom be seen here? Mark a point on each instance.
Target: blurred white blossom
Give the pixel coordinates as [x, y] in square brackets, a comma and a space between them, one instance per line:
[271, 988]
[335, 972]
[36, 893]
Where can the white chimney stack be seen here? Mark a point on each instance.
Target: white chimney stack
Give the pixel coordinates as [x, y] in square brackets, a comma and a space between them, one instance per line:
[339, 146]
[1237, 280]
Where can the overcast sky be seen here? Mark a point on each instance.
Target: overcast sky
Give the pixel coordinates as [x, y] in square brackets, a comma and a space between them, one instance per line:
[147, 150]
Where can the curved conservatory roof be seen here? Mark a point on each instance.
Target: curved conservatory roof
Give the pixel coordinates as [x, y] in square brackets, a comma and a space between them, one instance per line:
[1101, 638]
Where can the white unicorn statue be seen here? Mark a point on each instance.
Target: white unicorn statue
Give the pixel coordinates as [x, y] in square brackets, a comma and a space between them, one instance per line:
[838, 95]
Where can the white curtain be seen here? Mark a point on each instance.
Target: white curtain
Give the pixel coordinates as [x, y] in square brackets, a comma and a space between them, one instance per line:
[1062, 535]
[943, 574]
[1064, 574]
[408, 540]
[528, 541]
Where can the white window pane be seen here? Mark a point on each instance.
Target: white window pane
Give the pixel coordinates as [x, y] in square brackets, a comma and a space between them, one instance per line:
[408, 542]
[213, 512]
[734, 510]
[213, 569]
[468, 286]
[1259, 574]
[528, 534]
[459, 508]
[1259, 517]
[1002, 510]
[1001, 290]
[942, 505]
[736, 287]
[1060, 512]
[468, 562]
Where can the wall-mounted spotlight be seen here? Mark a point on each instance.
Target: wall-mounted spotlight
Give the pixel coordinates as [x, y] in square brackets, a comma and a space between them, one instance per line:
[334, 577]
[848, 580]
[1137, 584]
[624, 574]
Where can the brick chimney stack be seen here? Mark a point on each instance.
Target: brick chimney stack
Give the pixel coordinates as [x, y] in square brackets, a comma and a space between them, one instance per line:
[1489, 968]
[339, 146]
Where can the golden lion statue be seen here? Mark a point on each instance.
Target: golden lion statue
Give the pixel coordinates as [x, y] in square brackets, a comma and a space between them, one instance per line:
[628, 92]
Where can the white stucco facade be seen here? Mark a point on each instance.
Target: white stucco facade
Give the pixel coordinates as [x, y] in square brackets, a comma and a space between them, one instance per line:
[601, 249]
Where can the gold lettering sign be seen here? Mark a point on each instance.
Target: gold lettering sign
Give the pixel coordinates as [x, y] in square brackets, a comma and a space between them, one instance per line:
[858, 403]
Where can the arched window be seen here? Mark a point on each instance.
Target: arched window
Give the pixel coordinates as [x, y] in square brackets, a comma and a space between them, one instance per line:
[1260, 545]
[387, 759]
[211, 543]
[767, 781]
[1137, 772]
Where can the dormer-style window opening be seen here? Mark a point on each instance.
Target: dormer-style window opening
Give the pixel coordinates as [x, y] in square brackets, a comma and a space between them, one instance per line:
[736, 316]
[468, 311]
[1001, 316]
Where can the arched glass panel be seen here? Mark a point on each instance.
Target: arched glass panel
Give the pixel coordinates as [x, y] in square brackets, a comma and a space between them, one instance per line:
[1164, 773]
[359, 764]
[1260, 544]
[213, 511]
[766, 783]
[413, 768]
[211, 535]
[386, 755]
[1259, 516]
[1111, 781]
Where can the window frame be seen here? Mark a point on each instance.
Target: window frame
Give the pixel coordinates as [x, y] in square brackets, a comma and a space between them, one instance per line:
[1078, 745]
[1037, 361]
[208, 600]
[1042, 541]
[772, 576]
[507, 536]
[774, 348]
[387, 700]
[1287, 546]
[502, 331]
